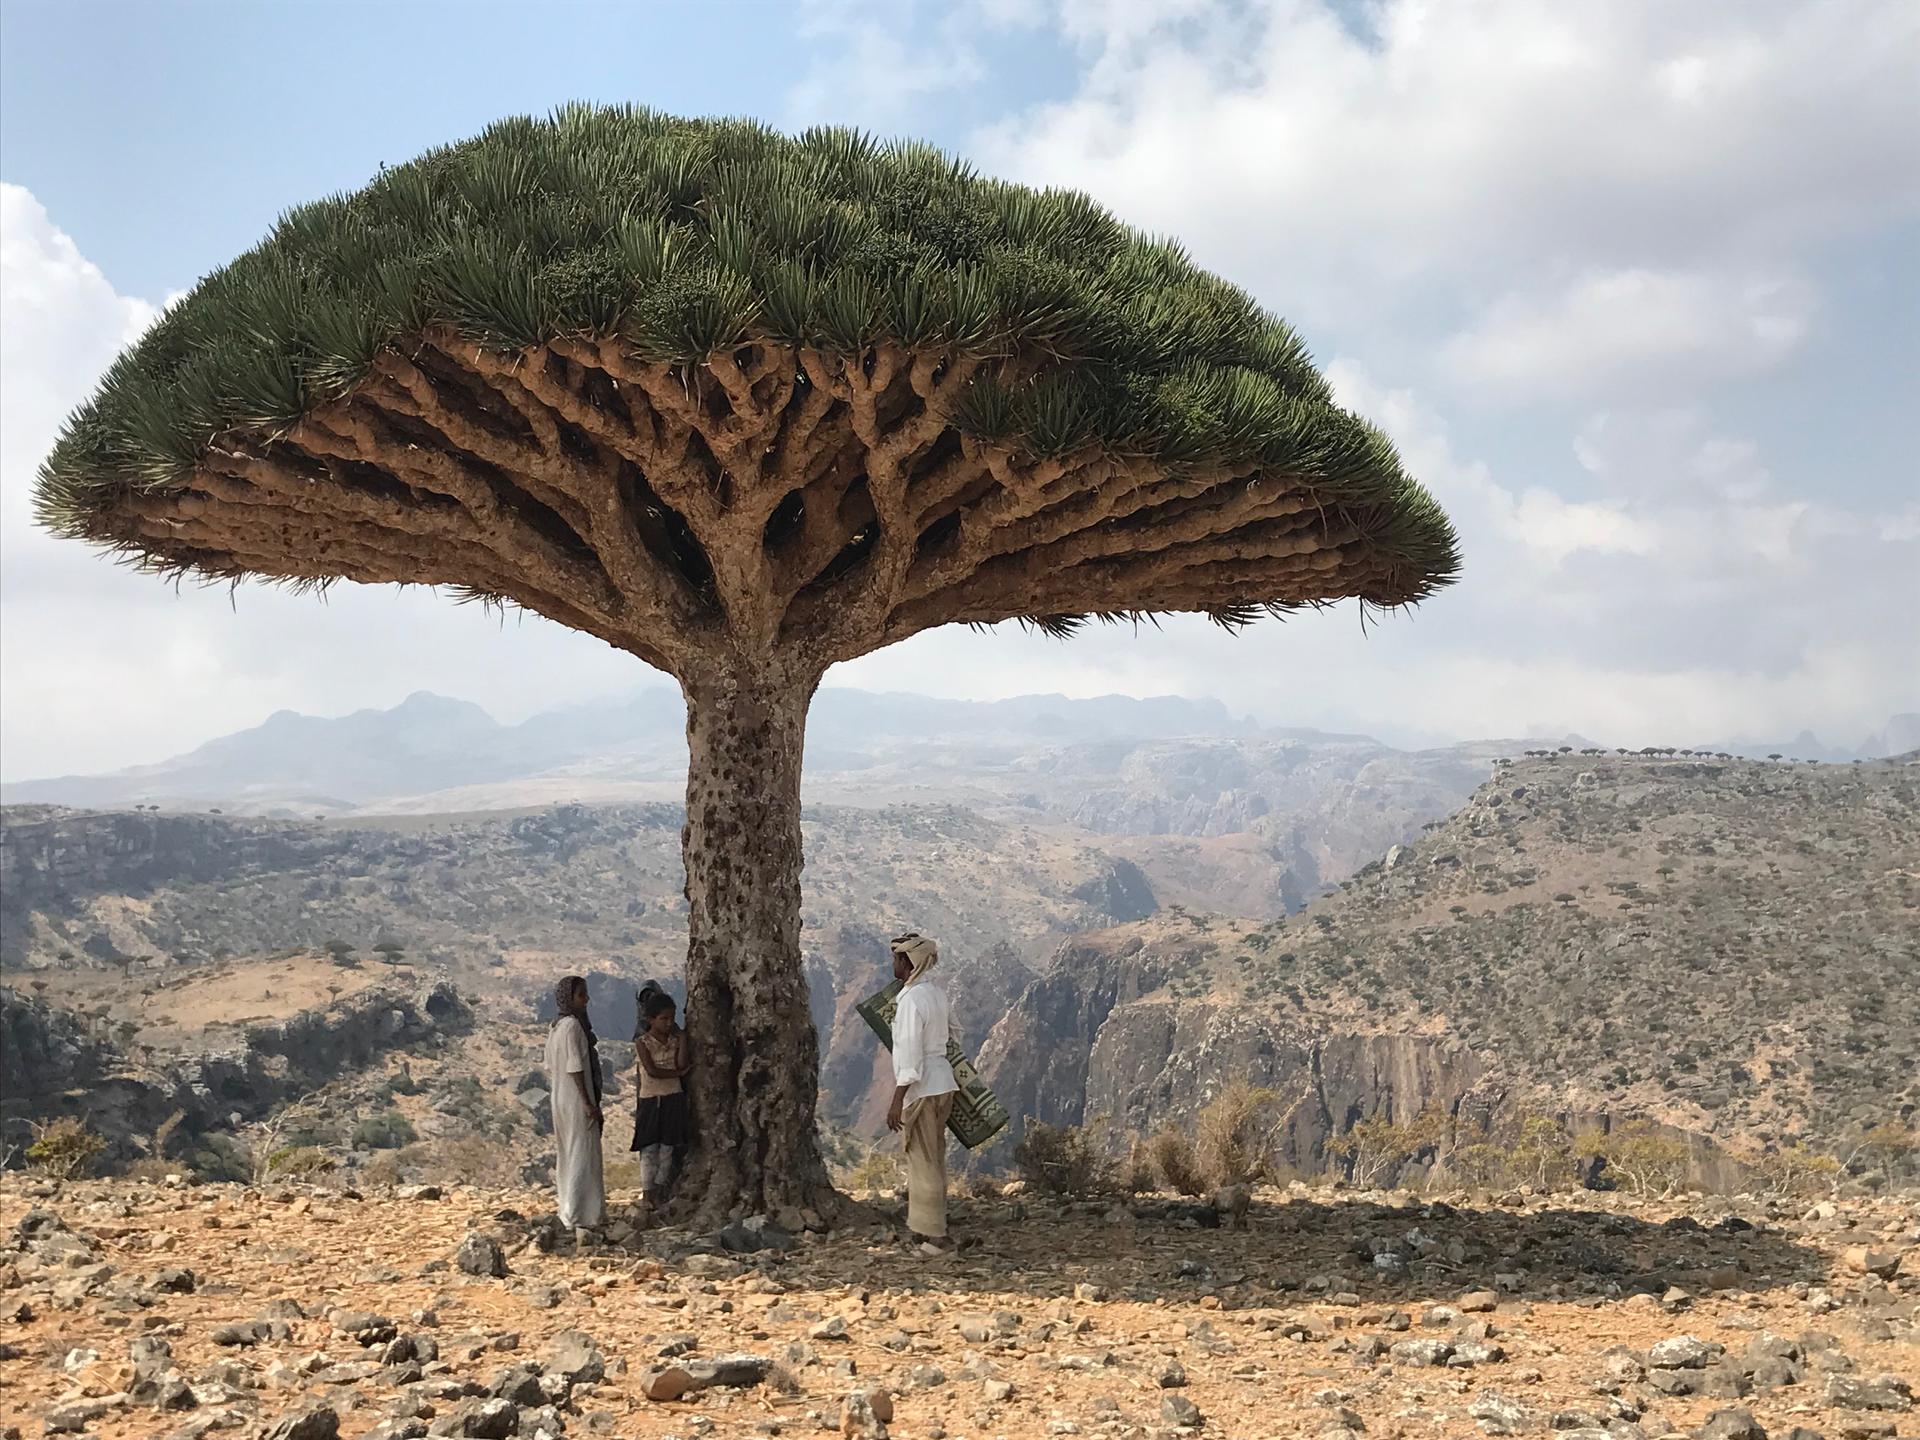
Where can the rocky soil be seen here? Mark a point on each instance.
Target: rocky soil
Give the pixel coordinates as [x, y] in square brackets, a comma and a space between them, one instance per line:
[131, 1310]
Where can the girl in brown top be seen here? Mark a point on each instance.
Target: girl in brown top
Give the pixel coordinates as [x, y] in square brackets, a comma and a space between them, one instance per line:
[662, 1125]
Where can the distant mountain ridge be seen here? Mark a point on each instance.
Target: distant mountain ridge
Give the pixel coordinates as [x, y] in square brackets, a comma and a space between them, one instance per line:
[293, 764]
[1900, 735]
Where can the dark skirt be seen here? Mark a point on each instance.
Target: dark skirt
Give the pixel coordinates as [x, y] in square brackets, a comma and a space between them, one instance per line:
[663, 1120]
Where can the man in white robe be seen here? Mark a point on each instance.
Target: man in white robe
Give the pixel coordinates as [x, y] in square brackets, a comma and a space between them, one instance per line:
[573, 1081]
[924, 1087]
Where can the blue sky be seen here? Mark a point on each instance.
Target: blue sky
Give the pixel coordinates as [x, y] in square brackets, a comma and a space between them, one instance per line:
[1633, 285]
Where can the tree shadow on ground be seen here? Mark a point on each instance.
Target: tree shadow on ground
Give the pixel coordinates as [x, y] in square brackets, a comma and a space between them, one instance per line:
[1307, 1251]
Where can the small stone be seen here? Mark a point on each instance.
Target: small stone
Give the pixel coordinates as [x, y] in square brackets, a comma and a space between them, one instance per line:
[1884, 1392]
[1730, 1425]
[319, 1423]
[1179, 1411]
[481, 1255]
[857, 1420]
[1868, 1260]
[481, 1419]
[1499, 1415]
[1090, 1294]
[996, 1391]
[667, 1383]
[518, 1383]
[1421, 1352]
[1725, 1382]
[833, 1327]
[1172, 1376]
[72, 1419]
[574, 1354]
[1676, 1382]
[1477, 1302]
[1683, 1352]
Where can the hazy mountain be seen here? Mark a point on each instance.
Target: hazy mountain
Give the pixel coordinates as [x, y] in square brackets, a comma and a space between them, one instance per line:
[1901, 734]
[293, 764]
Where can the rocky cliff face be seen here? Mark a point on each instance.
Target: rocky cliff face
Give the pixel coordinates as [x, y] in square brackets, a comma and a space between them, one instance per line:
[1725, 950]
[1099, 1036]
[52, 1063]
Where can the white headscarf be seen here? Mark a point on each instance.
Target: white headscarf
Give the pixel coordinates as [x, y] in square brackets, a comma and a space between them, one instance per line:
[922, 954]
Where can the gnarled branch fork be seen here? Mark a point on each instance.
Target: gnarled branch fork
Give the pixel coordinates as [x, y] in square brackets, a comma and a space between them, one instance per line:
[772, 500]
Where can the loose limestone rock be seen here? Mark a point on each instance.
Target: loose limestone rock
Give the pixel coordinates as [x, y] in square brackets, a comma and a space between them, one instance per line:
[321, 1422]
[1730, 1425]
[481, 1255]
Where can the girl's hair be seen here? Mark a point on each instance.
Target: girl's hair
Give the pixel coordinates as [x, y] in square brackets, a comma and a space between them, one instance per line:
[654, 1003]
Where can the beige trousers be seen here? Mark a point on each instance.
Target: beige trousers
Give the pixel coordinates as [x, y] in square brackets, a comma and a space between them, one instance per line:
[926, 1147]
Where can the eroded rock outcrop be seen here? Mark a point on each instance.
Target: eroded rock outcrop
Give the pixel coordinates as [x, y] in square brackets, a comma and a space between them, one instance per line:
[1098, 1035]
[52, 1063]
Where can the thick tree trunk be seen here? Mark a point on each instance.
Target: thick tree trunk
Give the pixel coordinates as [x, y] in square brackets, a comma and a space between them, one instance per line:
[756, 1057]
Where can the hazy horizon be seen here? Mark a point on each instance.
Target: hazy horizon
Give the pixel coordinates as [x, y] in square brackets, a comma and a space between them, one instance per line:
[1393, 737]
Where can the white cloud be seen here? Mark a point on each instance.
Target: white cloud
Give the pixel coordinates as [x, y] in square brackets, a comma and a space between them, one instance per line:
[871, 69]
[1536, 525]
[1900, 526]
[1461, 136]
[1639, 332]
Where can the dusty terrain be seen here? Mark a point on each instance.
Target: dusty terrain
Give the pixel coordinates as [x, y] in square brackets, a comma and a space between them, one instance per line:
[1106, 1318]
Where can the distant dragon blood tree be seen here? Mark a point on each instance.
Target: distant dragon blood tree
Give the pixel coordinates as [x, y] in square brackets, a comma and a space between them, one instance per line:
[742, 405]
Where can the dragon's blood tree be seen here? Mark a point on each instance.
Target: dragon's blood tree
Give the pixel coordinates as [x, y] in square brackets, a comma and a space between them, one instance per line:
[742, 405]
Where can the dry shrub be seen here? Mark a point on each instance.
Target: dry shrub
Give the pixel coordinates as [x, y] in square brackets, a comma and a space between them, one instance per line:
[1235, 1135]
[295, 1162]
[1066, 1160]
[1175, 1163]
[64, 1148]
[1378, 1146]
[1137, 1175]
[1538, 1151]
[1646, 1159]
[383, 1169]
[1477, 1166]
[164, 1135]
[1793, 1169]
[879, 1172]
[477, 1160]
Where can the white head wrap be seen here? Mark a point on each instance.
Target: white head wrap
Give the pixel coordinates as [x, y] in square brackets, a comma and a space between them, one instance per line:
[922, 954]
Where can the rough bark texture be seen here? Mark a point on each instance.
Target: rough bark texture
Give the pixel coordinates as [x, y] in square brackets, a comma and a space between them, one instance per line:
[756, 1066]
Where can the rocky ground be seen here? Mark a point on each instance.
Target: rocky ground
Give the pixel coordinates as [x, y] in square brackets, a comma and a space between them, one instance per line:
[164, 1310]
